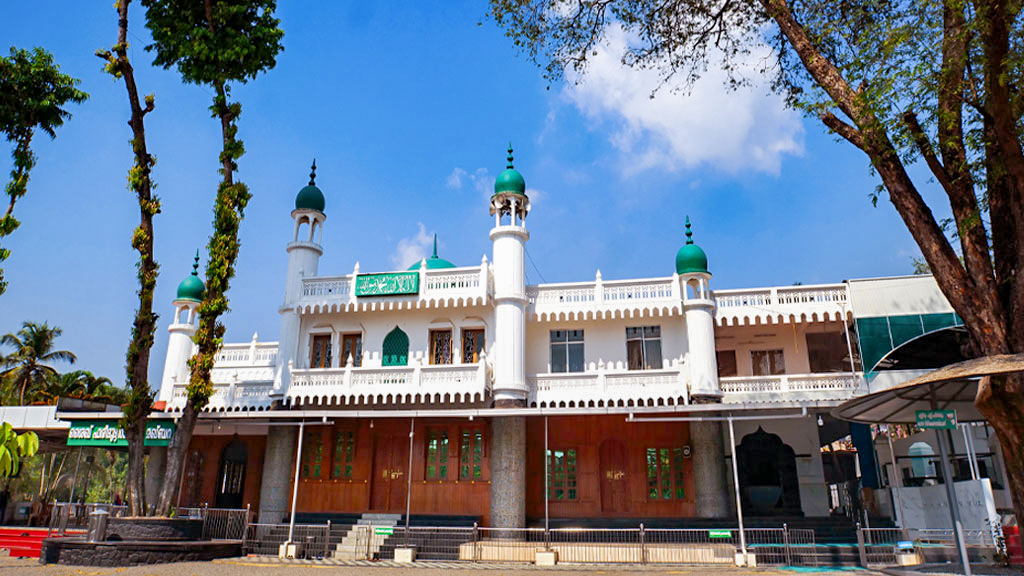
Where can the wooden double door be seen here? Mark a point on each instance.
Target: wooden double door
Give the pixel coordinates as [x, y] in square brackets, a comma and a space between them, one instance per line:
[390, 481]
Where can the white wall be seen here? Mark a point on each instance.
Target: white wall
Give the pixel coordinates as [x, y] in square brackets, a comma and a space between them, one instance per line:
[790, 338]
[417, 324]
[603, 340]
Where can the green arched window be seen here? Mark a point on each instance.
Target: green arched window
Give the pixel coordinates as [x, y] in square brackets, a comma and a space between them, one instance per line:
[396, 348]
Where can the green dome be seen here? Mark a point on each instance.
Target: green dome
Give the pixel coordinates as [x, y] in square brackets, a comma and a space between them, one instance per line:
[433, 263]
[690, 257]
[192, 288]
[510, 180]
[310, 197]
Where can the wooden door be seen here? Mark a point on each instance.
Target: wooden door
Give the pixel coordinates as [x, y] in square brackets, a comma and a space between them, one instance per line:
[390, 481]
[614, 493]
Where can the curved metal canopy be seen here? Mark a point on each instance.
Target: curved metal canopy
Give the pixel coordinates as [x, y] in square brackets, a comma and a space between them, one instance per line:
[953, 387]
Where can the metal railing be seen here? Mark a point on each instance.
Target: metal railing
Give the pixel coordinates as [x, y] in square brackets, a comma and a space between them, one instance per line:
[218, 523]
[313, 540]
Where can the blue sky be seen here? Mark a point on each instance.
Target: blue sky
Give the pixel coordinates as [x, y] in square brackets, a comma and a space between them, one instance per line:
[408, 108]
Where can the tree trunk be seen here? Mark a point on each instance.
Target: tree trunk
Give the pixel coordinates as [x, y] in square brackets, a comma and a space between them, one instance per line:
[177, 450]
[140, 402]
[1000, 401]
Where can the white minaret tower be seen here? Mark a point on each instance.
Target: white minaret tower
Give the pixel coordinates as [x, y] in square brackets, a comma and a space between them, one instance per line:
[183, 327]
[699, 307]
[509, 206]
[304, 253]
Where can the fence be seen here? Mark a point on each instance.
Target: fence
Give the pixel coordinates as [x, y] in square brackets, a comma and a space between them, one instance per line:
[314, 540]
[218, 523]
[882, 545]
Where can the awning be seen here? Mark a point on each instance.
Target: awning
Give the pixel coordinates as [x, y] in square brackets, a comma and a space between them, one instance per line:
[951, 388]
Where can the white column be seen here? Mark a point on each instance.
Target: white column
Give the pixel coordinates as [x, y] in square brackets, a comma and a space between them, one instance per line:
[700, 335]
[508, 350]
[179, 349]
[303, 262]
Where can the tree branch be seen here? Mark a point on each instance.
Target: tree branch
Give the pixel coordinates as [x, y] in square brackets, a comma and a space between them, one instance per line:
[924, 147]
[843, 129]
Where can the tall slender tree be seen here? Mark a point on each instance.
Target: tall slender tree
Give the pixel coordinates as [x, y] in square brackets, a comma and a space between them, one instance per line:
[213, 43]
[33, 96]
[28, 366]
[938, 81]
[140, 401]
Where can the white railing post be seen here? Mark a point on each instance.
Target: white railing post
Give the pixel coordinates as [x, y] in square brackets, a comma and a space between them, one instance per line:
[598, 290]
[784, 383]
[484, 288]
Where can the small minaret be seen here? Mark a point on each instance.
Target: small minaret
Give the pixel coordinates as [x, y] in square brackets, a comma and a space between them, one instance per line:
[304, 253]
[509, 206]
[699, 307]
[183, 327]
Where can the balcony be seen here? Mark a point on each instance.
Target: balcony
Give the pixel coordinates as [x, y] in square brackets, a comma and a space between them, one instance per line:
[602, 388]
[599, 299]
[787, 304]
[232, 396]
[449, 287]
[790, 387]
[388, 386]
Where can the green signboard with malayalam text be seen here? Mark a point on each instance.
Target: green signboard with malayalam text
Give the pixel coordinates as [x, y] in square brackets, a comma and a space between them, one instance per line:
[389, 284]
[109, 433]
[719, 533]
[936, 419]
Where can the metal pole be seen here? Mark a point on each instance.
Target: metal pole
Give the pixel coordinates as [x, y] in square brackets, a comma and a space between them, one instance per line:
[408, 488]
[954, 508]
[897, 482]
[295, 483]
[970, 455]
[736, 489]
[74, 481]
[849, 346]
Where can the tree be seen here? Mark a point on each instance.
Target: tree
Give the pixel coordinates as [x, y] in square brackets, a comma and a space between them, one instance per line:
[936, 80]
[140, 401]
[213, 43]
[28, 366]
[14, 448]
[33, 95]
[80, 385]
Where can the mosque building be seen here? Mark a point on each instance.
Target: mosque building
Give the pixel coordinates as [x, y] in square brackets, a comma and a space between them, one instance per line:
[447, 390]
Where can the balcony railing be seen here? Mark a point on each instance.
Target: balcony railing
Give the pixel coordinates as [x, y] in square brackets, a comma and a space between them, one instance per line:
[601, 388]
[837, 386]
[236, 395]
[598, 299]
[780, 305]
[455, 384]
[444, 287]
[247, 354]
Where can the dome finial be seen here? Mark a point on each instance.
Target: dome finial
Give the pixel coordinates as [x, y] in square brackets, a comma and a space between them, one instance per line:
[689, 233]
[435, 245]
[195, 265]
[312, 174]
[510, 166]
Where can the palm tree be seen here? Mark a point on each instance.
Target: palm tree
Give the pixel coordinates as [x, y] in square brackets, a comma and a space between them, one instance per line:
[28, 366]
[80, 384]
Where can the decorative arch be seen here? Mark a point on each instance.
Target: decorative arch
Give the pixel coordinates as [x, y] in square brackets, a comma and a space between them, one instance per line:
[395, 351]
[233, 462]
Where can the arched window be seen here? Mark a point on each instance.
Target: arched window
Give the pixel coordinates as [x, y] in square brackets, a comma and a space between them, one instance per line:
[396, 348]
[231, 485]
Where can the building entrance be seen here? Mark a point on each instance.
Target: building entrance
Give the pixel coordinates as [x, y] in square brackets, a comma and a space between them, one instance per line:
[389, 482]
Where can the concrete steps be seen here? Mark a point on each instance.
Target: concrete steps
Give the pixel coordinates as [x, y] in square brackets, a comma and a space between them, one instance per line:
[362, 541]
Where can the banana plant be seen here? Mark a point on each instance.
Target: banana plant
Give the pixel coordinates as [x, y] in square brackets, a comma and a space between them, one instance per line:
[14, 448]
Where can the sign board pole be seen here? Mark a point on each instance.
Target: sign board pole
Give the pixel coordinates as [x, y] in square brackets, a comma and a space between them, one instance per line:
[954, 508]
[736, 486]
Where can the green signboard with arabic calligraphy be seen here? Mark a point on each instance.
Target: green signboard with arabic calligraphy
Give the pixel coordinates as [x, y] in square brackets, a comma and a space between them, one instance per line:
[390, 284]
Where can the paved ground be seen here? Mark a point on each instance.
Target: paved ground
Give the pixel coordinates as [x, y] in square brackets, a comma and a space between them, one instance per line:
[273, 567]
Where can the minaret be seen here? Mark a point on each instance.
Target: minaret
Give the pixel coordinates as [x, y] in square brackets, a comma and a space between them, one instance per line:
[699, 307]
[711, 488]
[304, 253]
[509, 206]
[183, 328]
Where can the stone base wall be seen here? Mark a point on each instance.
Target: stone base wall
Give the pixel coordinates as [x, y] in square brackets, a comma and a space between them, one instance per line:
[78, 552]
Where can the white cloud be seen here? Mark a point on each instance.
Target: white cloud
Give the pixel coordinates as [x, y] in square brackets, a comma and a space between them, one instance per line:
[480, 180]
[733, 130]
[413, 249]
[455, 178]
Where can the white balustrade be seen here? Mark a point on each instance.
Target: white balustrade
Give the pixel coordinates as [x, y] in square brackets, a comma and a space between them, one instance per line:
[337, 293]
[781, 304]
[389, 385]
[599, 299]
[247, 354]
[779, 388]
[600, 388]
[330, 286]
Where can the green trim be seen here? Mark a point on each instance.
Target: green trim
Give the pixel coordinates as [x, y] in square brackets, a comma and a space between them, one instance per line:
[109, 433]
[395, 350]
[388, 284]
